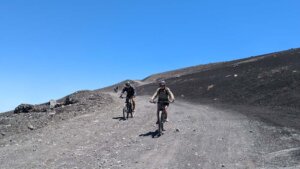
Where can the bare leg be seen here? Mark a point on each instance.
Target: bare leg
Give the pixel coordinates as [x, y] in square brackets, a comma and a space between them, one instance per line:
[166, 108]
[133, 104]
[157, 116]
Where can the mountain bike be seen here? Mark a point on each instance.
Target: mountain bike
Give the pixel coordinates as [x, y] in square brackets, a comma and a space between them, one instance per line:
[162, 116]
[128, 108]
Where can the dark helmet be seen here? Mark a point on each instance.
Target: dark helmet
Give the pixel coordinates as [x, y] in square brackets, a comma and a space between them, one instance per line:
[162, 83]
[127, 84]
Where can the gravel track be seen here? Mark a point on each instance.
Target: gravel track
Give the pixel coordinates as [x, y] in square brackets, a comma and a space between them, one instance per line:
[197, 136]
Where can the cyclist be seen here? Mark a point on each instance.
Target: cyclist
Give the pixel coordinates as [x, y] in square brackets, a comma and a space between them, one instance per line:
[116, 89]
[165, 96]
[130, 91]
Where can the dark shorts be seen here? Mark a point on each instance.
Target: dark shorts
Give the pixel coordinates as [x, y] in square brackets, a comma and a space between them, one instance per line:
[162, 105]
[128, 98]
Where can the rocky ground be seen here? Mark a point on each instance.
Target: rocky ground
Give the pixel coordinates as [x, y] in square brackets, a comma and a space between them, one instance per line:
[197, 136]
[42, 115]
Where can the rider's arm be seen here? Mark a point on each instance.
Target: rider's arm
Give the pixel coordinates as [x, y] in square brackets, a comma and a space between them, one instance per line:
[155, 95]
[123, 91]
[172, 98]
[134, 90]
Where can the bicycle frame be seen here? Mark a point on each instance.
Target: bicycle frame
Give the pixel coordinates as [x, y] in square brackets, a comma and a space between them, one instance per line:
[128, 109]
[161, 113]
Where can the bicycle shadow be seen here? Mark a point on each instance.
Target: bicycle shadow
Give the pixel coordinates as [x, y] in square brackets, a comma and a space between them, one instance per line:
[119, 118]
[153, 134]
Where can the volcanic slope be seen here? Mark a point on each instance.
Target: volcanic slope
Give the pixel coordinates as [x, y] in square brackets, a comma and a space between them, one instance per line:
[267, 80]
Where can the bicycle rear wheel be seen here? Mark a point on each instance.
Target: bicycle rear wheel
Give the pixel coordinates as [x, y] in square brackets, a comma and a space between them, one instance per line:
[129, 109]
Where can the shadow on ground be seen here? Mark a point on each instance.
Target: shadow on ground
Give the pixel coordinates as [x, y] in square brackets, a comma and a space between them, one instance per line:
[153, 134]
[119, 118]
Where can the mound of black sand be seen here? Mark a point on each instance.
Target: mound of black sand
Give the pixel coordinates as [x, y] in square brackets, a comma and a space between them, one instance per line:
[266, 80]
[30, 117]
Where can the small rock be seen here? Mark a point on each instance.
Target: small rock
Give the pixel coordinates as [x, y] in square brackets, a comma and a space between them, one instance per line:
[177, 130]
[223, 166]
[295, 71]
[3, 134]
[235, 75]
[251, 131]
[30, 126]
[52, 113]
[228, 76]
[215, 99]
[52, 104]
[210, 87]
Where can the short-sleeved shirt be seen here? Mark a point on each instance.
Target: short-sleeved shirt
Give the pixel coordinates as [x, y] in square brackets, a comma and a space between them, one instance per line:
[129, 90]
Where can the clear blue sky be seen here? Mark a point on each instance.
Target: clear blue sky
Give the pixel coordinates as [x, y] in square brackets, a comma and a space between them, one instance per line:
[49, 49]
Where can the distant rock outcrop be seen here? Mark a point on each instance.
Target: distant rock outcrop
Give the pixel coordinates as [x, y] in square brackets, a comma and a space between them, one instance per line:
[24, 108]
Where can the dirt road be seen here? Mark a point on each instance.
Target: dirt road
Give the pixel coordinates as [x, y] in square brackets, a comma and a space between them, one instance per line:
[197, 136]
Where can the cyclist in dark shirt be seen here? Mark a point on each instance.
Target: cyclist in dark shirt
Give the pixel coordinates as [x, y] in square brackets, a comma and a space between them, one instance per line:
[130, 91]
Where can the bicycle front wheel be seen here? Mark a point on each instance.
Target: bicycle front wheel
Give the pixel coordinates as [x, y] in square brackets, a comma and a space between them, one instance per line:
[160, 123]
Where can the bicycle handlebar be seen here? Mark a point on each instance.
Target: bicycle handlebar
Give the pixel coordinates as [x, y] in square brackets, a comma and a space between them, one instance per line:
[154, 102]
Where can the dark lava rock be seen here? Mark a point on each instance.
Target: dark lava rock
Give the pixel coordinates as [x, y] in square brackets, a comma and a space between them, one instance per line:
[70, 100]
[23, 108]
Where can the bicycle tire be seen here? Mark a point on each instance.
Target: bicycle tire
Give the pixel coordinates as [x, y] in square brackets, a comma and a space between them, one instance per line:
[129, 109]
[160, 123]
